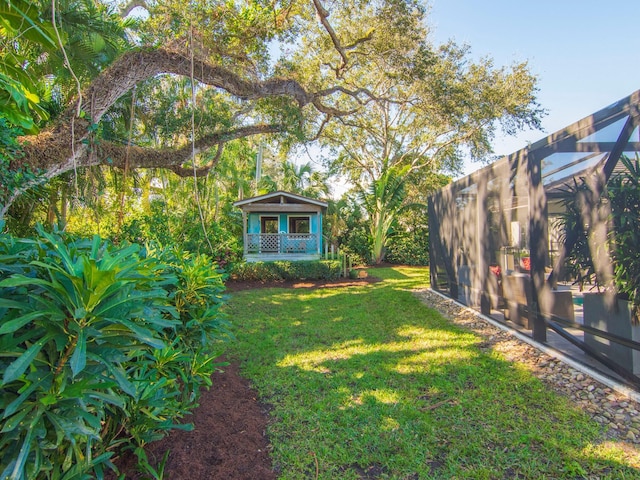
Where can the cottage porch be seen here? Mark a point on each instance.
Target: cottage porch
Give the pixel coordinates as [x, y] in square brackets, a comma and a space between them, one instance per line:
[281, 246]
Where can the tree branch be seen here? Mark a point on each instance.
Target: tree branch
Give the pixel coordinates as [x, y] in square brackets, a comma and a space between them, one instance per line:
[47, 151]
[52, 150]
[125, 10]
[174, 158]
[366, 38]
[323, 15]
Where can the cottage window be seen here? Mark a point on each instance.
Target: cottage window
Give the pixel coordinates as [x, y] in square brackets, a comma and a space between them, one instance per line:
[268, 224]
[299, 225]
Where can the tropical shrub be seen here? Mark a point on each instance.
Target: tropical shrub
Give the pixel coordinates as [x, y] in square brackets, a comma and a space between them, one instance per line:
[409, 248]
[287, 270]
[578, 265]
[360, 254]
[622, 193]
[161, 227]
[103, 348]
[346, 225]
[624, 196]
[11, 180]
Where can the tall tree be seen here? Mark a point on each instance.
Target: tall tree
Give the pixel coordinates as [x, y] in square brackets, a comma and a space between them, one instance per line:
[295, 176]
[383, 202]
[217, 46]
[343, 65]
[428, 107]
[301, 178]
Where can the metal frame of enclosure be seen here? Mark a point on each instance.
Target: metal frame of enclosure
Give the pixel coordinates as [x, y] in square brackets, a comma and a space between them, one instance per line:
[493, 244]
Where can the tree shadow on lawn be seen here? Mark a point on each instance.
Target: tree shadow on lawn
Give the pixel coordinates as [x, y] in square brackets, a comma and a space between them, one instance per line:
[368, 379]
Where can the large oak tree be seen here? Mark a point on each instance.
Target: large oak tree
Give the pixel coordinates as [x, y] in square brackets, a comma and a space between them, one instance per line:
[347, 71]
[225, 46]
[431, 106]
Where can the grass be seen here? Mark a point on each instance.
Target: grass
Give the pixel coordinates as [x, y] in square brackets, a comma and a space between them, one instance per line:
[368, 382]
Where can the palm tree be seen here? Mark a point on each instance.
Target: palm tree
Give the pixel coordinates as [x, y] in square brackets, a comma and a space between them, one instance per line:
[303, 180]
[294, 177]
[384, 201]
[25, 36]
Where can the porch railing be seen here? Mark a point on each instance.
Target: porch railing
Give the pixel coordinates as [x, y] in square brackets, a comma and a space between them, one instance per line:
[281, 243]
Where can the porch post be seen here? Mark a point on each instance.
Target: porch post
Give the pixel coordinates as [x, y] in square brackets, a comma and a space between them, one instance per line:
[245, 237]
[319, 234]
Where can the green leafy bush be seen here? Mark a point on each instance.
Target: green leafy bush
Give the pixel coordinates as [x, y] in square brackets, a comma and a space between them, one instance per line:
[102, 348]
[409, 248]
[357, 257]
[14, 179]
[624, 195]
[578, 265]
[161, 227]
[346, 224]
[287, 270]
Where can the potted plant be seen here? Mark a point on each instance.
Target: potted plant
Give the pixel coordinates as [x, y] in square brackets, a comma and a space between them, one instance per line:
[578, 264]
[623, 195]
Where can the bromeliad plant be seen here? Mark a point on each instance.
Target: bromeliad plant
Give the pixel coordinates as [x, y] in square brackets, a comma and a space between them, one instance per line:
[92, 352]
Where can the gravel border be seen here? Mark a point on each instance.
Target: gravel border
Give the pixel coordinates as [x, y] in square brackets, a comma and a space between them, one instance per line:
[618, 413]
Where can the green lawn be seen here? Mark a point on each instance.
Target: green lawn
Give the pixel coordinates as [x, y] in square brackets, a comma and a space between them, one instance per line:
[368, 382]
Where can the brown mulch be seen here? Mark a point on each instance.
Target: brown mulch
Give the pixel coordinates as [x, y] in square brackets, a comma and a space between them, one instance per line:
[235, 286]
[228, 440]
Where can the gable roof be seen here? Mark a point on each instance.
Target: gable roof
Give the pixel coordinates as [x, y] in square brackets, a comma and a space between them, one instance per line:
[281, 197]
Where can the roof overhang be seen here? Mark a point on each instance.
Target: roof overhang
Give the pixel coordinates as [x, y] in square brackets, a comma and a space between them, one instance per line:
[281, 201]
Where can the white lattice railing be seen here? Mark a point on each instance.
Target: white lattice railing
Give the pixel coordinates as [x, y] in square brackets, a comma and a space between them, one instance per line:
[281, 243]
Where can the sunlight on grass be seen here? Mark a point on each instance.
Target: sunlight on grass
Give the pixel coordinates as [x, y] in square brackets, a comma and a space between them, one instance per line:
[611, 451]
[390, 424]
[281, 296]
[430, 360]
[369, 377]
[434, 347]
[388, 397]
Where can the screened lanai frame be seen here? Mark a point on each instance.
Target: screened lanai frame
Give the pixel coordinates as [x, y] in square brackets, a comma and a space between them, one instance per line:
[493, 243]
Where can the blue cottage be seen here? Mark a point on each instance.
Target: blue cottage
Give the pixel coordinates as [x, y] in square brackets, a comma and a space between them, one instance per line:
[282, 226]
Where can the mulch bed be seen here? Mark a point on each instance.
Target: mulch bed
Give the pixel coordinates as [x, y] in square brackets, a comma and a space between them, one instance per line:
[234, 286]
[228, 441]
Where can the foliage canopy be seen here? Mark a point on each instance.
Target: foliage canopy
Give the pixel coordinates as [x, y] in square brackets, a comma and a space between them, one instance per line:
[173, 87]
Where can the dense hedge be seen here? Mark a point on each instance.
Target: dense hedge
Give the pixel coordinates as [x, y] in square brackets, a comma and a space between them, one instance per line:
[287, 270]
[102, 348]
[410, 248]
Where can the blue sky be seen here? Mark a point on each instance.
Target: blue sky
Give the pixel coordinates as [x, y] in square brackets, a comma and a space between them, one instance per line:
[586, 53]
